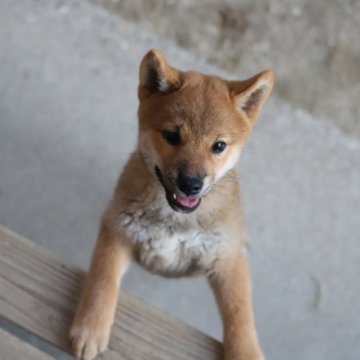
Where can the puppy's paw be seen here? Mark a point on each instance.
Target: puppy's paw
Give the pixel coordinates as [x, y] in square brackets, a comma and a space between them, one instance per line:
[258, 356]
[88, 337]
[248, 352]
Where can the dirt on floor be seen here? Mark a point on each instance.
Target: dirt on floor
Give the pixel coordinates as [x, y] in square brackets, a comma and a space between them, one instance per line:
[313, 45]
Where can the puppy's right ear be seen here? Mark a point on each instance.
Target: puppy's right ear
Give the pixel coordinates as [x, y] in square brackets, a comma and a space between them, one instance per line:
[156, 75]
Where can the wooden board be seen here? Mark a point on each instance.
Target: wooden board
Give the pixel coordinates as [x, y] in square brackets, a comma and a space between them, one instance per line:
[39, 293]
[12, 348]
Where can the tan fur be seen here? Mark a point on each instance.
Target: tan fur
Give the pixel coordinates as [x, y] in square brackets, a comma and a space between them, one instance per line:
[139, 224]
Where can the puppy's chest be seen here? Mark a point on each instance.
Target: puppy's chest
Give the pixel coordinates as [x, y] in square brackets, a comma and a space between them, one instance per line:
[170, 247]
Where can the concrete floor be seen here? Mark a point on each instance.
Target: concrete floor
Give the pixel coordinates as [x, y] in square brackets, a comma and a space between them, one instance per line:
[311, 44]
[68, 80]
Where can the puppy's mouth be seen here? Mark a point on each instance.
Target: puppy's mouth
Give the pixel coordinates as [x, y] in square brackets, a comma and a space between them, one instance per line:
[177, 202]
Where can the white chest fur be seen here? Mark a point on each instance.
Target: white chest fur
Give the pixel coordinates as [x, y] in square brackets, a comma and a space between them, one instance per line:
[181, 254]
[171, 244]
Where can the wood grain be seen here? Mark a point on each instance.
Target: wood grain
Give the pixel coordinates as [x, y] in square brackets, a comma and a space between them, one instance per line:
[13, 348]
[39, 293]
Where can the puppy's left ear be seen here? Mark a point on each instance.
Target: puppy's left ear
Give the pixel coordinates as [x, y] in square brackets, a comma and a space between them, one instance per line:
[250, 95]
[156, 75]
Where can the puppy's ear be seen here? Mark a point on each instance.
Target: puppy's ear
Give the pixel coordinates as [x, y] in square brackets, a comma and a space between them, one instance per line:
[156, 75]
[250, 95]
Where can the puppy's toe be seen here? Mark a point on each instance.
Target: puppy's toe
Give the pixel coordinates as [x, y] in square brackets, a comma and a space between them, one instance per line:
[87, 342]
[90, 350]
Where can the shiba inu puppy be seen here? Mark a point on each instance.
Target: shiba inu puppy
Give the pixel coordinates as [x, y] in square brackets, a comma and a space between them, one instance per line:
[176, 208]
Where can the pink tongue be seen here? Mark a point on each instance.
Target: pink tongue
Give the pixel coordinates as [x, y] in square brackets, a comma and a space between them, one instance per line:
[186, 201]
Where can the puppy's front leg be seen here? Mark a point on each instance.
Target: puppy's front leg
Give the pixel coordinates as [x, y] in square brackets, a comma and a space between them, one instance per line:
[231, 284]
[90, 331]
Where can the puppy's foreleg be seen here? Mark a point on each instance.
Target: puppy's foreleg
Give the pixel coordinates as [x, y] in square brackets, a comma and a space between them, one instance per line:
[231, 284]
[90, 331]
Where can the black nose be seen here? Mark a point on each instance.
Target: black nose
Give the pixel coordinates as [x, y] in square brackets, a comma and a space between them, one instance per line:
[189, 185]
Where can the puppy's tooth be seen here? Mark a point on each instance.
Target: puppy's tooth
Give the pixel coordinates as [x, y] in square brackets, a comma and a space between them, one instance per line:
[174, 196]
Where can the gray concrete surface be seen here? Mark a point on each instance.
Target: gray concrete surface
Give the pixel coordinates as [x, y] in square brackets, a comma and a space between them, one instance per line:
[68, 79]
[311, 44]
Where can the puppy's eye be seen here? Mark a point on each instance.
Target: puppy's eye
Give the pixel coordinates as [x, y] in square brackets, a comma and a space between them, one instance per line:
[172, 137]
[218, 147]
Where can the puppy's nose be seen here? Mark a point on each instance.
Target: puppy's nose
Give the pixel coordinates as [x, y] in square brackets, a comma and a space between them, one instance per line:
[189, 185]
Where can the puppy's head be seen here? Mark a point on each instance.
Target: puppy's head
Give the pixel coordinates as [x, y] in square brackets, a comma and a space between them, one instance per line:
[193, 126]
